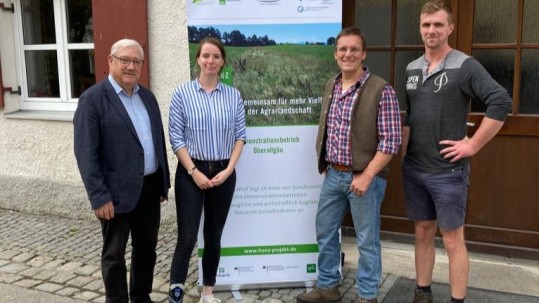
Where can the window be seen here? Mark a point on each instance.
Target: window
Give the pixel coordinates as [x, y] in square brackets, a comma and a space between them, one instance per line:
[502, 35]
[393, 39]
[509, 50]
[56, 52]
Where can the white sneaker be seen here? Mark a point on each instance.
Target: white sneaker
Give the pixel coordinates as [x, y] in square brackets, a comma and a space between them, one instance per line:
[209, 299]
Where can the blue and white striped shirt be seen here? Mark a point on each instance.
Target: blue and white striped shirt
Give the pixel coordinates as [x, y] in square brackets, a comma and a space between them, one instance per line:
[208, 125]
[141, 120]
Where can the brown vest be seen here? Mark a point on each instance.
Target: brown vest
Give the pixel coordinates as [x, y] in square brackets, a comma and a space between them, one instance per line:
[363, 125]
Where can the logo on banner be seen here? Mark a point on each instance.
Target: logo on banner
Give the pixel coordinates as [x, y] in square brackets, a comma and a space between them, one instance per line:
[210, 2]
[311, 268]
[269, 2]
[310, 9]
[224, 2]
[222, 273]
[227, 75]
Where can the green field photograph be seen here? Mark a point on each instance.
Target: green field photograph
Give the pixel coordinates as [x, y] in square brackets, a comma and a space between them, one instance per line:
[280, 70]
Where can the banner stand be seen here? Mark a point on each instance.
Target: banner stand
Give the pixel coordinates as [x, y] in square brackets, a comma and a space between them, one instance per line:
[280, 55]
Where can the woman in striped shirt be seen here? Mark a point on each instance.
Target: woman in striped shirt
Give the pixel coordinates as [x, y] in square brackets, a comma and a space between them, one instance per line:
[207, 134]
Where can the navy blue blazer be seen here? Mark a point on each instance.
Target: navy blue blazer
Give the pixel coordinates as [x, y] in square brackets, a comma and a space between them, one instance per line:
[109, 154]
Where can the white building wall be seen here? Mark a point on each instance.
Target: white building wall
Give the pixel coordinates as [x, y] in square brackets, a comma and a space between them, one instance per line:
[169, 67]
[38, 171]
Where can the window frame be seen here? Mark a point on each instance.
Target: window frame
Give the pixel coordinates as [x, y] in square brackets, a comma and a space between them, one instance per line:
[65, 102]
[516, 124]
[511, 151]
[466, 44]
[461, 39]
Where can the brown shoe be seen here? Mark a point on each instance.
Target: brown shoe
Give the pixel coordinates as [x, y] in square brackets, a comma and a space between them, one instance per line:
[361, 300]
[320, 295]
[422, 297]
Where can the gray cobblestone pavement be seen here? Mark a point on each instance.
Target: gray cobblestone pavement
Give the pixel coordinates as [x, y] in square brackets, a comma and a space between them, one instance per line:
[55, 260]
[61, 256]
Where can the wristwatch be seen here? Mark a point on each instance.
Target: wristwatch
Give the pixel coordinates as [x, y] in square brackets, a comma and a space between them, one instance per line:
[191, 171]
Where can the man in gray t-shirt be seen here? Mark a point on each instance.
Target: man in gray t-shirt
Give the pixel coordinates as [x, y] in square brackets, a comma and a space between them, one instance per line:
[439, 86]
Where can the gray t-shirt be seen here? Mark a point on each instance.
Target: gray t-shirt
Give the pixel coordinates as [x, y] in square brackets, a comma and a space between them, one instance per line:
[438, 103]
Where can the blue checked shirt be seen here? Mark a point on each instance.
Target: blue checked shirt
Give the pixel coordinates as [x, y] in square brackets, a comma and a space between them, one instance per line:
[139, 116]
[208, 125]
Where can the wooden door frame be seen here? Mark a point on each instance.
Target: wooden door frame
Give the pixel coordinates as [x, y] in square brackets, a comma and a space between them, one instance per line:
[514, 238]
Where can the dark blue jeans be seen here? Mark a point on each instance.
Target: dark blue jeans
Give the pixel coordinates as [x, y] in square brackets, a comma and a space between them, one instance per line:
[190, 202]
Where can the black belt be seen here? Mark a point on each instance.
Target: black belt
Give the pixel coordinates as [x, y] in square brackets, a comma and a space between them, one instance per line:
[213, 163]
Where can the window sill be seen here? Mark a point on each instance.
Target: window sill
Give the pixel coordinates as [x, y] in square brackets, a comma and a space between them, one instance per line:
[66, 116]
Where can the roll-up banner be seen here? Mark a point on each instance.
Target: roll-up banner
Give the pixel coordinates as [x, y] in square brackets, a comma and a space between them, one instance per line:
[280, 55]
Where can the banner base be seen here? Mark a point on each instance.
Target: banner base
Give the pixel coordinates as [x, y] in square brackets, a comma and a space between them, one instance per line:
[237, 295]
[261, 285]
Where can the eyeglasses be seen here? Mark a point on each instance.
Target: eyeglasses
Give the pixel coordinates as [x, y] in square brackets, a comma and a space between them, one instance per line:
[126, 61]
[344, 50]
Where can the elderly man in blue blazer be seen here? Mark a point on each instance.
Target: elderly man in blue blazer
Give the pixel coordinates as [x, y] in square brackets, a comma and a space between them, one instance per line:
[121, 155]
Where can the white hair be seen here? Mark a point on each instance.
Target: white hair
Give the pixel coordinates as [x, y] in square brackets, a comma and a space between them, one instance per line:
[123, 43]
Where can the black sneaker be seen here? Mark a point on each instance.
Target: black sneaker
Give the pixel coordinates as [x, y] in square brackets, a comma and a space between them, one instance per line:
[422, 296]
[175, 295]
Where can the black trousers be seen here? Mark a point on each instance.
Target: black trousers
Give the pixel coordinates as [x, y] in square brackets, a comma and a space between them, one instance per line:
[143, 225]
[190, 202]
